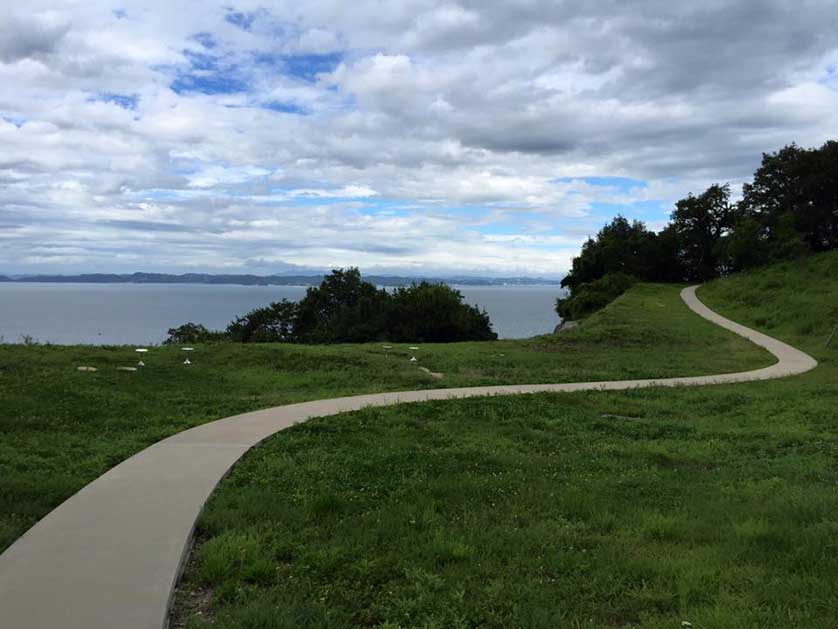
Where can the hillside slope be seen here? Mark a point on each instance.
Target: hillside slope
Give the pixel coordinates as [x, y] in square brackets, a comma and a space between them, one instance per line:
[714, 505]
[61, 428]
[795, 301]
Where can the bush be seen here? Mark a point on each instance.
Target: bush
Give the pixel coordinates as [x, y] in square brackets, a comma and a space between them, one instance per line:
[343, 309]
[435, 313]
[588, 298]
[193, 333]
[272, 324]
[346, 309]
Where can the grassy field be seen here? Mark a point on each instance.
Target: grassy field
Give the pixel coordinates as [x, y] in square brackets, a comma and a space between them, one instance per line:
[717, 506]
[61, 428]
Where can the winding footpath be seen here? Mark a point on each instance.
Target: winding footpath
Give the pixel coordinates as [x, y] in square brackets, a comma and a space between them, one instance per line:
[109, 557]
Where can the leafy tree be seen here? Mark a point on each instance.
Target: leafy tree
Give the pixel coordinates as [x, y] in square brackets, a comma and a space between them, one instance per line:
[272, 324]
[343, 309]
[668, 265]
[795, 190]
[619, 247]
[699, 224]
[346, 309]
[586, 299]
[790, 208]
[193, 333]
[435, 313]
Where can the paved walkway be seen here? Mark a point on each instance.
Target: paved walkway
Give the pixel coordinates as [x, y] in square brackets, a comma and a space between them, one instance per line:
[110, 555]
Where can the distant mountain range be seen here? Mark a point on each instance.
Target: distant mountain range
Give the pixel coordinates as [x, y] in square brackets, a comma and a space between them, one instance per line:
[264, 280]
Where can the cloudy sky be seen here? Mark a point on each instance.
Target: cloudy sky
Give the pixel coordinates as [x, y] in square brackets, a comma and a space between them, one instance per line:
[478, 136]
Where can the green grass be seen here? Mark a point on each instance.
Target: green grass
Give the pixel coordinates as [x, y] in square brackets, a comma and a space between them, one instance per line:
[60, 428]
[715, 505]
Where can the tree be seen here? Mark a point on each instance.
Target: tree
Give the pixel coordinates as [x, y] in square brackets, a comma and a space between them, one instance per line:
[586, 299]
[619, 247]
[193, 333]
[343, 309]
[275, 323]
[817, 216]
[435, 313]
[794, 199]
[699, 224]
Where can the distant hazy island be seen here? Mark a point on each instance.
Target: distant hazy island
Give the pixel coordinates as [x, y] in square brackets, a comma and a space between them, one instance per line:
[266, 280]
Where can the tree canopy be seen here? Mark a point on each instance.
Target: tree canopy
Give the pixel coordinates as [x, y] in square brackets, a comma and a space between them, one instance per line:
[788, 209]
[347, 309]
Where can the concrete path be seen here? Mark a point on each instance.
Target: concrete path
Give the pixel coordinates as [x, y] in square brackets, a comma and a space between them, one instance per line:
[110, 555]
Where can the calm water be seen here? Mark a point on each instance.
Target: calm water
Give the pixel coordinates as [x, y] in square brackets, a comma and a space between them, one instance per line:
[142, 313]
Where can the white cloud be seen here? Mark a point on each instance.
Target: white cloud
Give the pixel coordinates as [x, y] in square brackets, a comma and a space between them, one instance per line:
[411, 135]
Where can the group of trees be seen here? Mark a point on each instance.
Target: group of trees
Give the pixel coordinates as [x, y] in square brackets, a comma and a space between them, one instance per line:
[790, 208]
[347, 309]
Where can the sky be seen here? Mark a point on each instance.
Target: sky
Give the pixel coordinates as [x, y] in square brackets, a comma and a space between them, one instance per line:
[487, 137]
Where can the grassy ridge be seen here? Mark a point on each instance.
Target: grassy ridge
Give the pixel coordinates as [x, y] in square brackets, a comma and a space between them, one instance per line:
[60, 428]
[716, 505]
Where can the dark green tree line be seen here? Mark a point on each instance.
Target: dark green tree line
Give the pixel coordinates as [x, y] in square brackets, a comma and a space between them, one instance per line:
[788, 209]
[347, 309]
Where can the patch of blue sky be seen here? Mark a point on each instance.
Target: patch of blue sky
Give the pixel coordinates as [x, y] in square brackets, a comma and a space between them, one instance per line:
[385, 207]
[285, 108]
[154, 194]
[207, 76]
[205, 39]
[464, 212]
[623, 184]
[126, 101]
[504, 228]
[303, 67]
[201, 61]
[830, 77]
[209, 84]
[14, 119]
[241, 19]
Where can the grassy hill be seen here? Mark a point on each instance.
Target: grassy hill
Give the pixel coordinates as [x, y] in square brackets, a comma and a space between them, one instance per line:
[715, 506]
[61, 428]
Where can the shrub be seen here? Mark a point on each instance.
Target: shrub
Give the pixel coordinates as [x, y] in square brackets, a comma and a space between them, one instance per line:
[272, 324]
[588, 298]
[193, 333]
[343, 309]
[346, 309]
[435, 313]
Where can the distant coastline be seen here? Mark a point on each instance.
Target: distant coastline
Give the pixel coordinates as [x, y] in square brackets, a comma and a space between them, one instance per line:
[265, 280]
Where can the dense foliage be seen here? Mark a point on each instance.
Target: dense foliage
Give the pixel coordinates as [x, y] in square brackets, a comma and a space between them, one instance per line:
[193, 333]
[271, 324]
[592, 296]
[347, 309]
[343, 309]
[435, 313]
[788, 210]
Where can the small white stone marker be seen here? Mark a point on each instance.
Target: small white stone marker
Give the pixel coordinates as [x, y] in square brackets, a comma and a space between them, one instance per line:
[186, 362]
[413, 347]
[126, 369]
[141, 351]
[413, 359]
[387, 346]
[187, 349]
[87, 368]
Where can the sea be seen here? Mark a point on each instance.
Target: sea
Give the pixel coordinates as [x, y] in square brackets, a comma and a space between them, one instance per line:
[141, 314]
